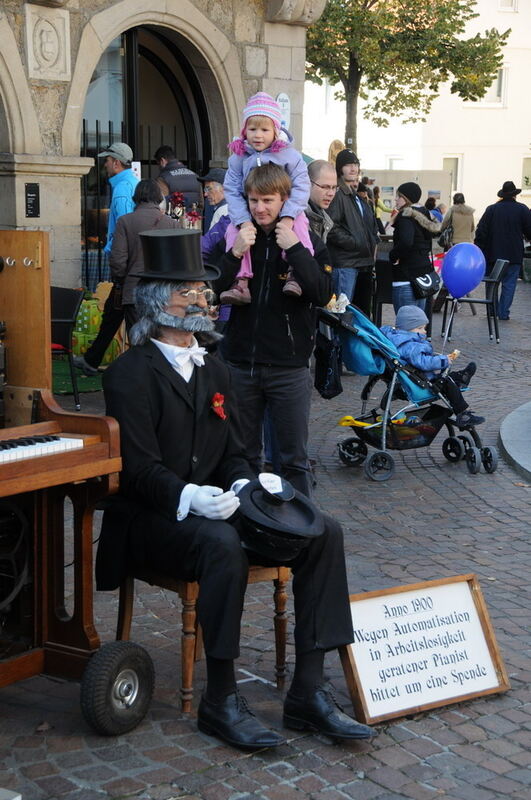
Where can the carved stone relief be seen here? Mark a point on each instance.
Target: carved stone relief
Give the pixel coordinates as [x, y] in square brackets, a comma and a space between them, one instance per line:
[295, 12]
[48, 43]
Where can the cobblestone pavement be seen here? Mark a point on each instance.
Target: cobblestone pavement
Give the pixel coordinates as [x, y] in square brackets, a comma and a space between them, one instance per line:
[432, 520]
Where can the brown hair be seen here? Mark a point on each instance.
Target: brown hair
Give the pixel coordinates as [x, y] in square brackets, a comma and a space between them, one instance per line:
[268, 179]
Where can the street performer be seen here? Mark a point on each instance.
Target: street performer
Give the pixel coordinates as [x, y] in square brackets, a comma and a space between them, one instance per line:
[176, 512]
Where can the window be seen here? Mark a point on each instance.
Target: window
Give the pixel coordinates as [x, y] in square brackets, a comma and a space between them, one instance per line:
[394, 162]
[451, 165]
[526, 174]
[508, 5]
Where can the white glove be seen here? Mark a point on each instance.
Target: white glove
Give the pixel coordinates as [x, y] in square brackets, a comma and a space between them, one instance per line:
[213, 503]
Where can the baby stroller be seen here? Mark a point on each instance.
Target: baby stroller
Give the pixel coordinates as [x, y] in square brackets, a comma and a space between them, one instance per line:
[367, 351]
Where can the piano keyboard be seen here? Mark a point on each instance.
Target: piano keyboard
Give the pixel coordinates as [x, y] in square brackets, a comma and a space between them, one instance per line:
[36, 446]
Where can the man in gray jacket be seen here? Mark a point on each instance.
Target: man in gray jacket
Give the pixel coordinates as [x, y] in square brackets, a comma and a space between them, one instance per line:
[323, 189]
[353, 239]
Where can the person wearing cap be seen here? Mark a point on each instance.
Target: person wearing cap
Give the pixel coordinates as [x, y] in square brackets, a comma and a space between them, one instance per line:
[215, 194]
[175, 177]
[353, 239]
[410, 256]
[409, 337]
[123, 182]
[175, 513]
[500, 233]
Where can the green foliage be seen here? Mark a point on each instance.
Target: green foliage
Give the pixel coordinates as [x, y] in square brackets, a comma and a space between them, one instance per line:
[401, 50]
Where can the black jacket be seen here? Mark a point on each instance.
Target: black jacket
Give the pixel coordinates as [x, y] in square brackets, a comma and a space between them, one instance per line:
[412, 240]
[274, 328]
[352, 240]
[179, 178]
[320, 222]
[501, 230]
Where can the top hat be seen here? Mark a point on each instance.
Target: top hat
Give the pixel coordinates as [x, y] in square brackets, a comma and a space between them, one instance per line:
[174, 255]
[279, 521]
[508, 190]
[214, 174]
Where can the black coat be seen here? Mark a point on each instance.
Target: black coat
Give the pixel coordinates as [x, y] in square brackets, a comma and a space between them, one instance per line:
[501, 230]
[352, 241]
[168, 437]
[412, 242]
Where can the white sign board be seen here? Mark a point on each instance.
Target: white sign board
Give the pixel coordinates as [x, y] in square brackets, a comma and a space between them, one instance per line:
[136, 169]
[421, 646]
[285, 109]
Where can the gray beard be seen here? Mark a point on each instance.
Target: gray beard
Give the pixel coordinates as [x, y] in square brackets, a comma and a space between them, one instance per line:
[192, 322]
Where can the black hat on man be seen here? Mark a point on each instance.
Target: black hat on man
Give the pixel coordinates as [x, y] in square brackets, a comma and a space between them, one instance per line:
[508, 190]
[411, 191]
[174, 255]
[345, 157]
[216, 174]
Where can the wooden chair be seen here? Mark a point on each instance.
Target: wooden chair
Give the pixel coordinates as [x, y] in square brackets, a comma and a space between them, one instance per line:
[191, 640]
[65, 305]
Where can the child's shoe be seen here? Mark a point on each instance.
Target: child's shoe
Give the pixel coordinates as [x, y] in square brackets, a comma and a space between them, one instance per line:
[467, 419]
[291, 287]
[237, 295]
[463, 376]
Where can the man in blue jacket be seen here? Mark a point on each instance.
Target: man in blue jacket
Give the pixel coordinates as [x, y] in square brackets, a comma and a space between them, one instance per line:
[500, 234]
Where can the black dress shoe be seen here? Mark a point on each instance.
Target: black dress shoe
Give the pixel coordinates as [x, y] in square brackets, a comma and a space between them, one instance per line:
[232, 721]
[320, 712]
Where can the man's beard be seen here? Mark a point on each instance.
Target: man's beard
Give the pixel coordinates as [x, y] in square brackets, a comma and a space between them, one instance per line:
[196, 320]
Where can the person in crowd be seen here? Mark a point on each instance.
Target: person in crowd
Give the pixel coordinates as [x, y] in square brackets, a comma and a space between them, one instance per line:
[215, 194]
[442, 208]
[433, 211]
[175, 177]
[379, 209]
[123, 182]
[268, 343]
[353, 239]
[323, 182]
[461, 219]
[183, 466]
[367, 182]
[412, 238]
[409, 337]
[263, 140]
[362, 193]
[500, 234]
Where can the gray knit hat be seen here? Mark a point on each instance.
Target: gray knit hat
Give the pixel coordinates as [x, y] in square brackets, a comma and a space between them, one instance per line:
[409, 317]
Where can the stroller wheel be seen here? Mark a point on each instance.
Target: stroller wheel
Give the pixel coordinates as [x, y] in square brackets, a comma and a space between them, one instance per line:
[489, 457]
[453, 449]
[352, 451]
[380, 466]
[473, 460]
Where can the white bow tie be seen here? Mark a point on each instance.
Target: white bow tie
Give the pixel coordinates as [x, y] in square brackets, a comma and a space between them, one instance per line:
[195, 354]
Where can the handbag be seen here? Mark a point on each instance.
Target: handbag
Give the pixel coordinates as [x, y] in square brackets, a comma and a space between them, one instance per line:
[446, 236]
[327, 354]
[426, 285]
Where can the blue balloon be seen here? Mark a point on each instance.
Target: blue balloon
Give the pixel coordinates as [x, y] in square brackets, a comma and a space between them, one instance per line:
[463, 268]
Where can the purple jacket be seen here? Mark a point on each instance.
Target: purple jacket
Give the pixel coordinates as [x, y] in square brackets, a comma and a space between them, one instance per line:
[282, 153]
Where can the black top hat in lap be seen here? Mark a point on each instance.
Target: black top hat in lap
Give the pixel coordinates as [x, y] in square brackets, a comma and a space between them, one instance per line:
[508, 190]
[174, 255]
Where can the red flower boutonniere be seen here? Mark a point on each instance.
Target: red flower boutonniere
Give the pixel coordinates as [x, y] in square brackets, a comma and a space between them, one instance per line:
[217, 405]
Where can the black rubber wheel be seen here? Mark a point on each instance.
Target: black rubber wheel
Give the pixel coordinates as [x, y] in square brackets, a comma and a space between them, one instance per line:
[473, 460]
[489, 458]
[380, 466]
[117, 687]
[352, 451]
[453, 449]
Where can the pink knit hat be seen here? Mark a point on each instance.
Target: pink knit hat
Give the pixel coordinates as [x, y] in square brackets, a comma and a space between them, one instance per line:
[262, 105]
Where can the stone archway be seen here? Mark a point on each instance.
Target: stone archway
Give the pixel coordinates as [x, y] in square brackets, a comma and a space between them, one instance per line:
[209, 47]
[19, 126]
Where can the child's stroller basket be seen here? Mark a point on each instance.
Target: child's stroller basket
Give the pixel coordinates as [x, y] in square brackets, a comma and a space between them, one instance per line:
[418, 428]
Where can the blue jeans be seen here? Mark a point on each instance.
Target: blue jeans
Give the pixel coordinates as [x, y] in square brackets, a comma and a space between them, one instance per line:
[508, 288]
[403, 296]
[344, 281]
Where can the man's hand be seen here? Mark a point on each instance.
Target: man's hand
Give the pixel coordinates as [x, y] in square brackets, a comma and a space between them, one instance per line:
[245, 239]
[213, 503]
[284, 234]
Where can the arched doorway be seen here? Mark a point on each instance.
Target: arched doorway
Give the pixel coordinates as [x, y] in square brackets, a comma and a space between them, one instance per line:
[149, 88]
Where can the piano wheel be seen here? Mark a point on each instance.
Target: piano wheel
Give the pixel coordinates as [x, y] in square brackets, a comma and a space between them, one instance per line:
[117, 687]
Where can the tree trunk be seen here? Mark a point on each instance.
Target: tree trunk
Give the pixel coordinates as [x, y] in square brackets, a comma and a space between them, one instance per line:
[352, 91]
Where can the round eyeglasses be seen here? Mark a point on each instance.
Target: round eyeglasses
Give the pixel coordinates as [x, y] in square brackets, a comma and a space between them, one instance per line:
[193, 294]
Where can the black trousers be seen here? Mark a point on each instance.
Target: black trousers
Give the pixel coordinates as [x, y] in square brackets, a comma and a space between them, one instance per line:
[210, 552]
[111, 320]
[449, 389]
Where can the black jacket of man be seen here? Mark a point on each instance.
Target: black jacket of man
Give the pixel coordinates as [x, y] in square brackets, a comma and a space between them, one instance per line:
[352, 240]
[501, 230]
[275, 329]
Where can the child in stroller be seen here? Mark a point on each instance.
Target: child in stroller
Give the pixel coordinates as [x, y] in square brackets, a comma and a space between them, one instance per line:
[409, 338]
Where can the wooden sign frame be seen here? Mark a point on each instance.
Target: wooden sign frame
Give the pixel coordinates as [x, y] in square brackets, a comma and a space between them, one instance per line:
[365, 659]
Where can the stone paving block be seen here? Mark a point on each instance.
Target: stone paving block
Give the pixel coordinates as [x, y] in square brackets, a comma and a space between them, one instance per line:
[363, 790]
[520, 775]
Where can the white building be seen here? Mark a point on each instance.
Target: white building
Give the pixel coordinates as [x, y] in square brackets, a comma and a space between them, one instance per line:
[482, 144]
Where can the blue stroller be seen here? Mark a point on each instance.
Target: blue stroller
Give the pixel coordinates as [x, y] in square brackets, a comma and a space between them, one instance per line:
[367, 351]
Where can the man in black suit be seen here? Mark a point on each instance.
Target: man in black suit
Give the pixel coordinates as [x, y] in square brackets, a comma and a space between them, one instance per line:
[182, 470]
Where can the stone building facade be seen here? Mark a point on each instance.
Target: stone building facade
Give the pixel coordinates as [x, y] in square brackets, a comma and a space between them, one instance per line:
[202, 58]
